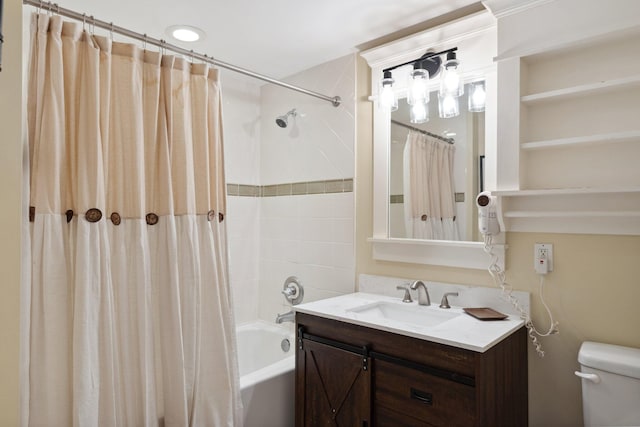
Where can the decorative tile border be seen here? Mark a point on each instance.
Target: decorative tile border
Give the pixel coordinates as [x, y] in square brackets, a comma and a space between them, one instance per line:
[396, 198]
[399, 198]
[292, 188]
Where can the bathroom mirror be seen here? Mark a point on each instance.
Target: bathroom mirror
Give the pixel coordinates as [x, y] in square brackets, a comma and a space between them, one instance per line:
[460, 141]
[475, 39]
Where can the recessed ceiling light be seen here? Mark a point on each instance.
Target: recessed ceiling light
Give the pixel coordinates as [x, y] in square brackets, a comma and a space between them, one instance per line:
[185, 33]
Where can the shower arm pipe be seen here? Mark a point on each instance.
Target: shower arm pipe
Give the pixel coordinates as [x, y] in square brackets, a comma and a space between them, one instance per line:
[109, 26]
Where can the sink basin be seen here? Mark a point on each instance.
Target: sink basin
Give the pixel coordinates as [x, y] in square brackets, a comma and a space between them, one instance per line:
[415, 314]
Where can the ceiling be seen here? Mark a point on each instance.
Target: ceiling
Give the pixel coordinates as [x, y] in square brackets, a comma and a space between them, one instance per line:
[273, 37]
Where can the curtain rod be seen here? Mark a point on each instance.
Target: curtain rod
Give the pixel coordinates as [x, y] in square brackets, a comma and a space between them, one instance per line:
[426, 132]
[109, 26]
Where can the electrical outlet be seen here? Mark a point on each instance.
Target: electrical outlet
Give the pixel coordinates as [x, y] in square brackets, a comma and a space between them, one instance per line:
[543, 258]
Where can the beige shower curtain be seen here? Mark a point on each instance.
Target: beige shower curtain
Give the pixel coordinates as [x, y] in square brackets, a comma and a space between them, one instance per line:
[129, 311]
[429, 191]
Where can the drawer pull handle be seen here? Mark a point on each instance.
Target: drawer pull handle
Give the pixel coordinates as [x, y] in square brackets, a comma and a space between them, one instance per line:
[421, 396]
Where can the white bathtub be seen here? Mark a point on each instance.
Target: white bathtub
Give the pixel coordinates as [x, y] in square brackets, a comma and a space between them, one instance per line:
[266, 375]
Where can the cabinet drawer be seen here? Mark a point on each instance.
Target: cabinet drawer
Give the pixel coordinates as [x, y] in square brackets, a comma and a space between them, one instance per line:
[384, 417]
[430, 399]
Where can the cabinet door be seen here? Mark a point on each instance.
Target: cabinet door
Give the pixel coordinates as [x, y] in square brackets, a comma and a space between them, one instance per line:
[333, 387]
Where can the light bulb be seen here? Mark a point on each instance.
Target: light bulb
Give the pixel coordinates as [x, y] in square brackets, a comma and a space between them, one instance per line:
[450, 83]
[477, 97]
[448, 106]
[417, 87]
[387, 98]
[419, 113]
[185, 33]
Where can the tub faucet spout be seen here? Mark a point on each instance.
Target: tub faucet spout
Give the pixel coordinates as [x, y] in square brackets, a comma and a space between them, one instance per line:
[286, 317]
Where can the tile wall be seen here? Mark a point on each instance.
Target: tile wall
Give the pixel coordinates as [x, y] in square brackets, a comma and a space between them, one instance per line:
[291, 200]
[241, 118]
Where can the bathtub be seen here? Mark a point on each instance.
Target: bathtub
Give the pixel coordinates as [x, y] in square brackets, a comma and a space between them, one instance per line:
[266, 374]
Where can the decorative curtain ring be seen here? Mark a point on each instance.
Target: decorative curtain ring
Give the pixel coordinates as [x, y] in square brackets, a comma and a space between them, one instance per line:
[111, 31]
[39, 7]
[191, 56]
[84, 21]
[92, 27]
[144, 42]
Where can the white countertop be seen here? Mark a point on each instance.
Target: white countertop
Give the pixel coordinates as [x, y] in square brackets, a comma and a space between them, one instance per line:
[462, 331]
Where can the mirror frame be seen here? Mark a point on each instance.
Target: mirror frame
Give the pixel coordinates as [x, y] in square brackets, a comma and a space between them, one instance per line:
[476, 39]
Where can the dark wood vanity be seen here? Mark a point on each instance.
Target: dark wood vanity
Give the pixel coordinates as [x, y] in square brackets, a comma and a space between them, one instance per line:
[354, 376]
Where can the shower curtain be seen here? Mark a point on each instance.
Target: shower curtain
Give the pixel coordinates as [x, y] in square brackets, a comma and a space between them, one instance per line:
[429, 198]
[129, 317]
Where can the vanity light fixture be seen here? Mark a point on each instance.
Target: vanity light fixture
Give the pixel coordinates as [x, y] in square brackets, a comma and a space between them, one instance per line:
[185, 33]
[424, 68]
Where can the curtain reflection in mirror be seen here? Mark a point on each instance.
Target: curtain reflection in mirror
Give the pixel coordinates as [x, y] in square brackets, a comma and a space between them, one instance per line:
[429, 199]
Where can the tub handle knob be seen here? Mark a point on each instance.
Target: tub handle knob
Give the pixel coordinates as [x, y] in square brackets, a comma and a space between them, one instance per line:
[590, 377]
[293, 290]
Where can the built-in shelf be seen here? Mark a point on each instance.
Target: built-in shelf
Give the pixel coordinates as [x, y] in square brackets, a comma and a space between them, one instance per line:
[565, 191]
[571, 210]
[577, 128]
[602, 138]
[571, 214]
[582, 90]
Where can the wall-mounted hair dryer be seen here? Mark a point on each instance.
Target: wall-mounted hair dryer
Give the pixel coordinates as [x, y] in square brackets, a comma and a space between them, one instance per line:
[487, 214]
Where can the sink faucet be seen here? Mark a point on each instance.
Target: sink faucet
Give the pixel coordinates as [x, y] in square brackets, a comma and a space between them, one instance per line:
[445, 301]
[407, 294]
[423, 293]
[286, 317]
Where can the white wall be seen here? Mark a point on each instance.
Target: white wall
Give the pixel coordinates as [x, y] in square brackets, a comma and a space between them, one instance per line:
[319, 143]
[309, 236]
[11, 215]
[241, 110]
[242, 126]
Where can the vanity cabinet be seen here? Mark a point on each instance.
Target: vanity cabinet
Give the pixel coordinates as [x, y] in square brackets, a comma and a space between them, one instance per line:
[351, 375]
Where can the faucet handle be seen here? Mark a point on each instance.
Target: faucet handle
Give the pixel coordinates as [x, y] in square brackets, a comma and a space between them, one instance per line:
[407, 294]
[445, 301]
[289, 292]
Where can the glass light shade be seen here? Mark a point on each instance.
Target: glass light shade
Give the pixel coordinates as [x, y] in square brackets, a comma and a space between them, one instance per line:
[477, 97]
[450, 82]
[387, 98]
[448, 106]
[419, 112]
[417, 91]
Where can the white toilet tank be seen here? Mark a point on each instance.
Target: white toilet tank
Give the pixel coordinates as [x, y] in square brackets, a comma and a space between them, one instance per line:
[610, 384]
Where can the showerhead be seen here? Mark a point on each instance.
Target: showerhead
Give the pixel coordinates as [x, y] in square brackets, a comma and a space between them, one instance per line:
[283, 121]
